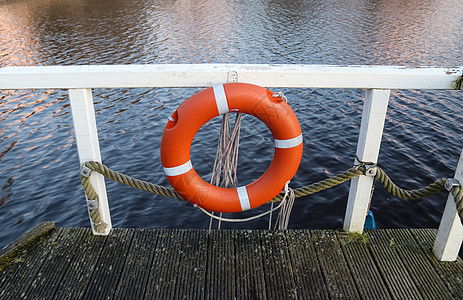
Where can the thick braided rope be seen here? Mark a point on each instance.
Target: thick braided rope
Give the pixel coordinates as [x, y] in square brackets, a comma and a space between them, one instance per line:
[98, 225]
[394, 190]
[136, 183]
[457, 193]
[325, 184]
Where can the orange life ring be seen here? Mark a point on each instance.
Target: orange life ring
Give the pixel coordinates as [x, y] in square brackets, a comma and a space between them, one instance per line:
[212, 102]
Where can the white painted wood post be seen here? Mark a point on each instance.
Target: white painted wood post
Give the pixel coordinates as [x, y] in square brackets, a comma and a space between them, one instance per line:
[371, 132]
[83, 115]
[450, 234]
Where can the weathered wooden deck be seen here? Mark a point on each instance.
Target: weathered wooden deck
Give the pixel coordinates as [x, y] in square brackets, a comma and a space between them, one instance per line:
[70, 263]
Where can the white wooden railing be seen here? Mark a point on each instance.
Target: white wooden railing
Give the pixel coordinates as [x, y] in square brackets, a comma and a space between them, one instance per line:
[377, 80]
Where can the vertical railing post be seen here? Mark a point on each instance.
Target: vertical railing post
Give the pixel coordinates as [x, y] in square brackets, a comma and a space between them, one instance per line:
[83, 115]
[371, 132]
[450, 234]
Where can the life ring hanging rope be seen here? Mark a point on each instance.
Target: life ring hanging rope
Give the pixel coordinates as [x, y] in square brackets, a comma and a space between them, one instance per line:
[185, 122]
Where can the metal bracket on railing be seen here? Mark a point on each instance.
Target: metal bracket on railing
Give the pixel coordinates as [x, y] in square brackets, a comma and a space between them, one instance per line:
[451, 183]
[92, 204]
[371, 170]
[232, 76]
[370, 167]
[85, 171]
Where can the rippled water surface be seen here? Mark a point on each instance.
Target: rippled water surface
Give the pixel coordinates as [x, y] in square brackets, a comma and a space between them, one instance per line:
[38, 157]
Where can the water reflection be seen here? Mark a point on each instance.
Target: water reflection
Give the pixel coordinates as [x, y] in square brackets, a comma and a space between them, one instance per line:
[8, 149]
[6, 192]
[18, 34]
[403, 29]
[312, 31]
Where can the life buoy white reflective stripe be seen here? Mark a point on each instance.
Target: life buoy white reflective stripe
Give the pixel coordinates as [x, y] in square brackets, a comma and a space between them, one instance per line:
[221, 99]
[289, 143]
[179, 170]
[244, 198]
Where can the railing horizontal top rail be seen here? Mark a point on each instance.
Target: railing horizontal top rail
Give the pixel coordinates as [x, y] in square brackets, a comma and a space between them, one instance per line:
[200, 75]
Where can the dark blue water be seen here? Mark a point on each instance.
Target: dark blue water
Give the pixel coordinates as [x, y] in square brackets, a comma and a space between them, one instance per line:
[39, 176]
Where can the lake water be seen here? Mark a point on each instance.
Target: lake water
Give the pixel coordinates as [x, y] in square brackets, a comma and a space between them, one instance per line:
[39, 176]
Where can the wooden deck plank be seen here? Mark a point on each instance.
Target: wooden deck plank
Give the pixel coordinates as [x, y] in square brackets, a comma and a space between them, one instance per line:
[135, 274]
[420, 269]
[250, 281]
[451, 273]
[80, 270]
[192, 265]
[338, 278]
[107, 271]
[220, 281]
[363, 268]
[308, 274]
[393, 271]
[164, 268]
[55, 266]
[25, 240]
[278, 271]
[17, 277]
